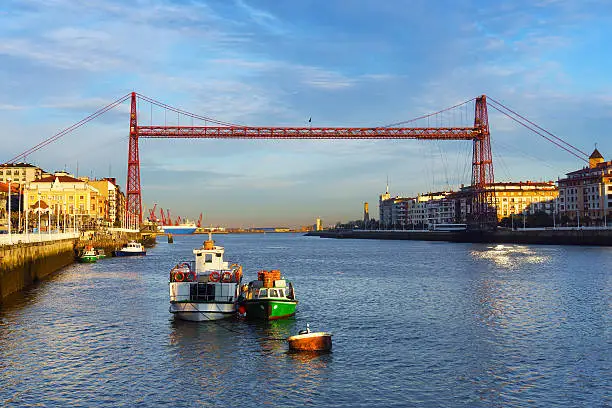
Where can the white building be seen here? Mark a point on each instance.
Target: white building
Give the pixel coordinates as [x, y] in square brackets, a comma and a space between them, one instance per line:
[586, 194]
[20, 173]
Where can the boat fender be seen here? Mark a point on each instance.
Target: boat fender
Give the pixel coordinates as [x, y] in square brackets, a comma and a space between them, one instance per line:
[226, 277]
[179, 276]
[191, 277]
[214, 276]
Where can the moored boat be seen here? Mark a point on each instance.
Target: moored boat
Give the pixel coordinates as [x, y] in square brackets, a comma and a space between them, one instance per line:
[100, 254]
[89, 255]
[306, 340]
[132, 248]
[270, 297]
[206, 288]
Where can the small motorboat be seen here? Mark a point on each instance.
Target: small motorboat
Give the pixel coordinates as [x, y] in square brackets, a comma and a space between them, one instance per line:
[306, 340]
[132, 248]
[89, 255]
[270, 297]
[100, 253]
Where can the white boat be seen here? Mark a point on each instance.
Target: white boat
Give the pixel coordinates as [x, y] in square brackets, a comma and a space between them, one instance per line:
[132, 248]
[206, 288]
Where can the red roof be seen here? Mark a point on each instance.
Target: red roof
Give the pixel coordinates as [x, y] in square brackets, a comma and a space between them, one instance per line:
[42, 205]
[62, 179]
[4, 187]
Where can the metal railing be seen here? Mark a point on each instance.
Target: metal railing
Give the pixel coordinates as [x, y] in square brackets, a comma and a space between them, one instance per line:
[6, 239]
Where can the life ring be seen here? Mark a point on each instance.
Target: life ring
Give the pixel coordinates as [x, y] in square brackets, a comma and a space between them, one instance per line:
[179, 276]
[191, 277]
[226, 277]
[214, 276]
[185, 265]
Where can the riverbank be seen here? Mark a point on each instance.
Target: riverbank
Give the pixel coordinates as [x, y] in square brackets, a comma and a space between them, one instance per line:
[543, 236]
[24, 263]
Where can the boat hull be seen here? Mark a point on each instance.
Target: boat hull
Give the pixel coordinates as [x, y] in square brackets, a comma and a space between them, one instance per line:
[178, 229]
[270, 309]
[202, 311]
[88, 259]
[318, 341]
[130, 253]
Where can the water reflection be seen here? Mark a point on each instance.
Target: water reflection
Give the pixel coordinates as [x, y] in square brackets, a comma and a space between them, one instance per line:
[509, 256]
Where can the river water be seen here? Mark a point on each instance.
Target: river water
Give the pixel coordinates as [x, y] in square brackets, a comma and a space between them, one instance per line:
[414, 324]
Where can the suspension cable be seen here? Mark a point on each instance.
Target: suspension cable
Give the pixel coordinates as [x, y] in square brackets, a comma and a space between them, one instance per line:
[69, 129]
[539, 133]
[183, 112]
[538, 127]
[430, 114]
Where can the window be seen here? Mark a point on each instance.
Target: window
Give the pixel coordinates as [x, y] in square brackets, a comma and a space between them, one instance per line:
[263, 293]
[208, 258]
[273, 293]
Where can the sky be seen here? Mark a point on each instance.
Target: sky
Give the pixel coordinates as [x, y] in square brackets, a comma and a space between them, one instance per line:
[359, 63]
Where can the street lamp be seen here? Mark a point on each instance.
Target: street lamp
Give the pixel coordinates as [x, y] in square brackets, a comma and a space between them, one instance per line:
[26, 198]
[39, 213]
[9, 210]
[19, 208]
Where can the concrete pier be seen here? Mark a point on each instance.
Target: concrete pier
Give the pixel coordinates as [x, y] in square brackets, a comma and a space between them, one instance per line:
[541, 236]
[23, 264]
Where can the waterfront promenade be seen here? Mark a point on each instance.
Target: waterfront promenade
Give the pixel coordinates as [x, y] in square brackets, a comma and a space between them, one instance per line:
[6, 239]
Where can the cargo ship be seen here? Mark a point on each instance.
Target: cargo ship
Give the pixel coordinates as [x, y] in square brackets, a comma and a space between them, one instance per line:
[187, 228]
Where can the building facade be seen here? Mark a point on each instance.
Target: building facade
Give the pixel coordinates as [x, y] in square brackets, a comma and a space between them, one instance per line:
[63, 195]
[585, 195]
[111, 199]
[20, 173]
[525, 197]
[448, 207]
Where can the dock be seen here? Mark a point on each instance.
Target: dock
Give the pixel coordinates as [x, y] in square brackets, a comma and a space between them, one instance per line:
[591, 236]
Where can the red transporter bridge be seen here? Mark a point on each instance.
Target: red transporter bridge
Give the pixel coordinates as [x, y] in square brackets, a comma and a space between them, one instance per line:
[483, 211]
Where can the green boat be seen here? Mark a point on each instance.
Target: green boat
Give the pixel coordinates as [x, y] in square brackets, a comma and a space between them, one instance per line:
[100, 253]
[269, 298]
[89, 255]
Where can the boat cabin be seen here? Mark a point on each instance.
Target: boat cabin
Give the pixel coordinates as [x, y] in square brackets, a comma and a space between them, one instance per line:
[210, 257]
[134, 245]
[281, 289]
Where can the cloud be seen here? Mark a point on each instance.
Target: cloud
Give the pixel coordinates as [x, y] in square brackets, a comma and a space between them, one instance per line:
[263, 63]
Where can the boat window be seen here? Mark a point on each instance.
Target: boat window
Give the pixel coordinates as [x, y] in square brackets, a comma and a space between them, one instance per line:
[208, 258]
[218, 254]
[273, 293]
[198, 254]
[263, 293]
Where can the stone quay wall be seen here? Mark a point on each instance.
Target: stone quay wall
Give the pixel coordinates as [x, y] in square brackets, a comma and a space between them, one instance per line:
[23, 264]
